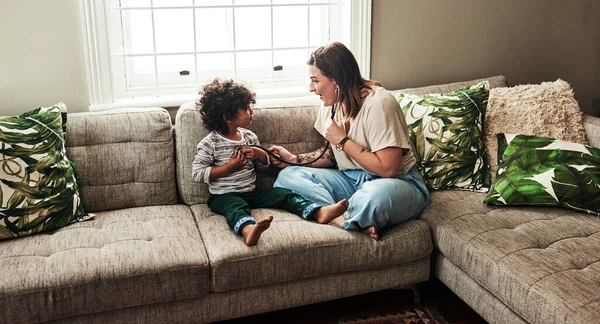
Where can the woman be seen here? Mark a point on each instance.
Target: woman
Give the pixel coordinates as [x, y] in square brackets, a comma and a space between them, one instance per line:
[376, 169]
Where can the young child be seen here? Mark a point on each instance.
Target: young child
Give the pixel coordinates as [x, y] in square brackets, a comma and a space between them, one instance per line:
[226, 163]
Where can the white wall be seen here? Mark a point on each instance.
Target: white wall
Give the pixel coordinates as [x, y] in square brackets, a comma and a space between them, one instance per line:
[42, 58]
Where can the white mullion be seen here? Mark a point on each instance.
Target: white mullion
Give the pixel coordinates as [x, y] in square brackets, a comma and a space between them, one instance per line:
[361, 33]
[92, 51]
[308, 27]
[212, 52]
[110, 63]
[195, 45]
[235, 72]
[329, 20]
[154, 48]
[272, 51]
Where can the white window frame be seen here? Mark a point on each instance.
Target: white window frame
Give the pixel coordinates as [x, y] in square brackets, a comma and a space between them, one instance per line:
[100, 78]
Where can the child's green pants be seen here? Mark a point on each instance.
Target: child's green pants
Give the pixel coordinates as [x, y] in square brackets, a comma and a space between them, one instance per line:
[236, 206]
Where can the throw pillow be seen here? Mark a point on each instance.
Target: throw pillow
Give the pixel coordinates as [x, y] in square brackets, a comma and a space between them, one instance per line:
[544, 171]
[447, 137]
[548, 109]
[38, 188]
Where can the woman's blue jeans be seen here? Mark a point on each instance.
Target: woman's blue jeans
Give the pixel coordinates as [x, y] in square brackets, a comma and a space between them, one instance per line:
[373, 201]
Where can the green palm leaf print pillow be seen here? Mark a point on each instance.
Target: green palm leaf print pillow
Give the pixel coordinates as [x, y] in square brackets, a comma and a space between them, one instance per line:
[544, 171]
[446, 131]
[38, 188]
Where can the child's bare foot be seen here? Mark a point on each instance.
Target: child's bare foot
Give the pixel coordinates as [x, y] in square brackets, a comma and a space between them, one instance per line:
[372, 231]
[326, 214]
[252, 232]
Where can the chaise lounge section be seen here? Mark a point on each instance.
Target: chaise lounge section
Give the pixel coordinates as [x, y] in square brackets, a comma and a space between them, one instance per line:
[516, 264]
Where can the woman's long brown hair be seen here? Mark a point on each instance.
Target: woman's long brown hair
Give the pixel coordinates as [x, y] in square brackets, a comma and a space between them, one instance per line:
[337, 62]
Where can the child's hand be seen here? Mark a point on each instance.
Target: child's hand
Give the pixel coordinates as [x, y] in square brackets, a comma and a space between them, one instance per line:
[251, 153]
[254, 153]
[237, 161]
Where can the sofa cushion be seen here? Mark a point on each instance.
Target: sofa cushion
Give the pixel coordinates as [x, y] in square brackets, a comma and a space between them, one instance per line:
[495, 82]
[447, 136]
[38, 187]
[592, 130]
[120, 259]
[294, 248]
[124, 158]
[544, 171]
[291, 127]
[544, 263]
[548, 109]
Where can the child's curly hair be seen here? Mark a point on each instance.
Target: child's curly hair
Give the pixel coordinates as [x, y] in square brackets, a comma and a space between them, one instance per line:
[220, 100]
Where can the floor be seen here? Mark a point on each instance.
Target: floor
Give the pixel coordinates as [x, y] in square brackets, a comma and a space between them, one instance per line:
[433, 294]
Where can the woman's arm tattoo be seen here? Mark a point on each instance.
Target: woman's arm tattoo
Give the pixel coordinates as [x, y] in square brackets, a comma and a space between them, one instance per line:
[304, 157]
[364, 149]
[309, 156]
[329, 155]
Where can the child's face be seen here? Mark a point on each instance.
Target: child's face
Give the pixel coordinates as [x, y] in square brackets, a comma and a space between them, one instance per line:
[243, 117]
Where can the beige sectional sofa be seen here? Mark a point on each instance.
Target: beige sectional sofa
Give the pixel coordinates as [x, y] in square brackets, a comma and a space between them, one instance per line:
[155, 253]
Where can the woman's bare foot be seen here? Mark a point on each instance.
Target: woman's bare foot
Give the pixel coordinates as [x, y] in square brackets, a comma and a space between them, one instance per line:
[372, 231]
[326, 214]
[338, 221]
[252, 232]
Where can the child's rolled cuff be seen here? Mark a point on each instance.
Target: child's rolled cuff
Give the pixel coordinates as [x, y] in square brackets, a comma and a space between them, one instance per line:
[248, 220]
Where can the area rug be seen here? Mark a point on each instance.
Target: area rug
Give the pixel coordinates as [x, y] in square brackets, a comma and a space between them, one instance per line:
[424, 315]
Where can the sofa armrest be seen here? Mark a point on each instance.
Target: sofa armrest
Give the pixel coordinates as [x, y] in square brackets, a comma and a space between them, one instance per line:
[592, 129]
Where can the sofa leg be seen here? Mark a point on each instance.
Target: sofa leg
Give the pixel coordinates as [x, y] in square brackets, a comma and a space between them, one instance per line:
[416, 288]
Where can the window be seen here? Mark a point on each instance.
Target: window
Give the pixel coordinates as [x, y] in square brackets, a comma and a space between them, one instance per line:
[159, 52]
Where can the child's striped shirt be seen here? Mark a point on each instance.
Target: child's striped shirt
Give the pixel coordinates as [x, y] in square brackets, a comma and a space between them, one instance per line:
[216, 150]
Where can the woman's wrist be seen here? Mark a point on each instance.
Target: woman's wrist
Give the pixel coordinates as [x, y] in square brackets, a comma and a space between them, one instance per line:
[340, 145]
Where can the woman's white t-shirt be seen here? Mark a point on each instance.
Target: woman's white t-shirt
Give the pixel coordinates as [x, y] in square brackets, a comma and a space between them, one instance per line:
[379, 123]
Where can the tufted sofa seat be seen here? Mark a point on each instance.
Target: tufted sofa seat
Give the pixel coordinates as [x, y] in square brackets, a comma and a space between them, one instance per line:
[541, 263]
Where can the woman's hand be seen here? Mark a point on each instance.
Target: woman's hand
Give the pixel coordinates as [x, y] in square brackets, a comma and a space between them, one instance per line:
[334, 132]
[284, 154]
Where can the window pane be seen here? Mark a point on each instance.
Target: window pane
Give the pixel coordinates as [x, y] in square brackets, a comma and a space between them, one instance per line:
[174, 30]
[252, 28]
[139, 72]
[289, 1]
[172, 3]
[213, 2]
[136, 25]
[319, 18]
[255, 67]
[128, 3]
[214, 29]
[251, 2]
[290, 26]
[211, 66]
[172, 68]
[339, 20]
[293, 65]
